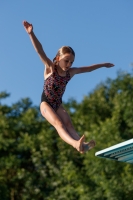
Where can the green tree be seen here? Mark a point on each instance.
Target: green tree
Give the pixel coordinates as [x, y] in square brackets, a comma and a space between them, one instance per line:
[109, 121]
[36, 164]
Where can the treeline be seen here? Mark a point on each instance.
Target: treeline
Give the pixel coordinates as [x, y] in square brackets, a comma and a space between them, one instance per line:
[35, 164]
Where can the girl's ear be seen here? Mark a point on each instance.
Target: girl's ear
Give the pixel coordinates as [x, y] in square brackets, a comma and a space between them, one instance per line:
[57, 58]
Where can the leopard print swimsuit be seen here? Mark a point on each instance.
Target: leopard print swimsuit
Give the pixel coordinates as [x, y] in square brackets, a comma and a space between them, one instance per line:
[54, 88]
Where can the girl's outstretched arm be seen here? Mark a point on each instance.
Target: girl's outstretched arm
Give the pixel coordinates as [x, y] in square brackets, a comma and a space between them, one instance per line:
[37, 45]
[76, 70]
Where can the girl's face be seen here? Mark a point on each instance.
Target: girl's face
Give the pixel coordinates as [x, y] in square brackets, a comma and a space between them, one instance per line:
[66, 61]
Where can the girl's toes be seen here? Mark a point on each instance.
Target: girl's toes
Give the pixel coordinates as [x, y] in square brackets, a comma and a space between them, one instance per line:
[89, 145]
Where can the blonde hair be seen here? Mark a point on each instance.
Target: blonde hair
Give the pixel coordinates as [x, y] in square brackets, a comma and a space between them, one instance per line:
[63, 50]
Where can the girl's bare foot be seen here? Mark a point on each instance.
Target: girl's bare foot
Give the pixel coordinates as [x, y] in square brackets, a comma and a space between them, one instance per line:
[79, 144]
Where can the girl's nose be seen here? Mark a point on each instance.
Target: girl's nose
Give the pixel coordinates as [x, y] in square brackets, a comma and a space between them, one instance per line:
[69, 64]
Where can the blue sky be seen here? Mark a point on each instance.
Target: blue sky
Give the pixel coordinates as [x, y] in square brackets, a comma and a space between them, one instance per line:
[99, 31]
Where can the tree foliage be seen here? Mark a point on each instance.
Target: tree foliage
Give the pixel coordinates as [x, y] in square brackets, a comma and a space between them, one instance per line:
[36, 164]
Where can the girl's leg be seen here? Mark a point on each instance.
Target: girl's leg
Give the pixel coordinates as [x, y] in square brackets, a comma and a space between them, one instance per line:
[54, 119]
[62, 113]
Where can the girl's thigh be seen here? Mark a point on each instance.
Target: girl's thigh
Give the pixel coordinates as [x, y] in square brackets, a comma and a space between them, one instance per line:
[49, 114]
[62, 113]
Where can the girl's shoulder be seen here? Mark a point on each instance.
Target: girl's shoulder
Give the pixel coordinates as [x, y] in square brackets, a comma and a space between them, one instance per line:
[49, 64]
[73, 71]
[49, 69]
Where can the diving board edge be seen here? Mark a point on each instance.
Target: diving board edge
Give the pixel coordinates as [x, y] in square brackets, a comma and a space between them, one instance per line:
[122, 152]
[115, 147]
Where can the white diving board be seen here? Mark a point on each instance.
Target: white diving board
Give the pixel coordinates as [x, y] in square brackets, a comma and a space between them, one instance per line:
[122, 152]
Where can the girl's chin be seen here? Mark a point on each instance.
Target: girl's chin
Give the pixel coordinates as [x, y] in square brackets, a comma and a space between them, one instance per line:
[66, 69]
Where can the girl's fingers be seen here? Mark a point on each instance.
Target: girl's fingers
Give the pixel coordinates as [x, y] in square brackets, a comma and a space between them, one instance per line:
[110, 65]
[26, 24]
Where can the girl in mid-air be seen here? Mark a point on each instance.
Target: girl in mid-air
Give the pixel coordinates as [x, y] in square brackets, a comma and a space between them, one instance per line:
[57, 74]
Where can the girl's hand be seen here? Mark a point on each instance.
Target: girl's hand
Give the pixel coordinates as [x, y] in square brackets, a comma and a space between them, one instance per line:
[108, 65]
[28, 27]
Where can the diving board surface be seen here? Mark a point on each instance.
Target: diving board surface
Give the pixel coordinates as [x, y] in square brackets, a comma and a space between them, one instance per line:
[122, 152]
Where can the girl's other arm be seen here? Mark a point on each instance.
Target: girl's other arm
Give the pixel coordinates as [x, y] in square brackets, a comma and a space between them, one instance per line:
[36, 44]
[79, 70]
